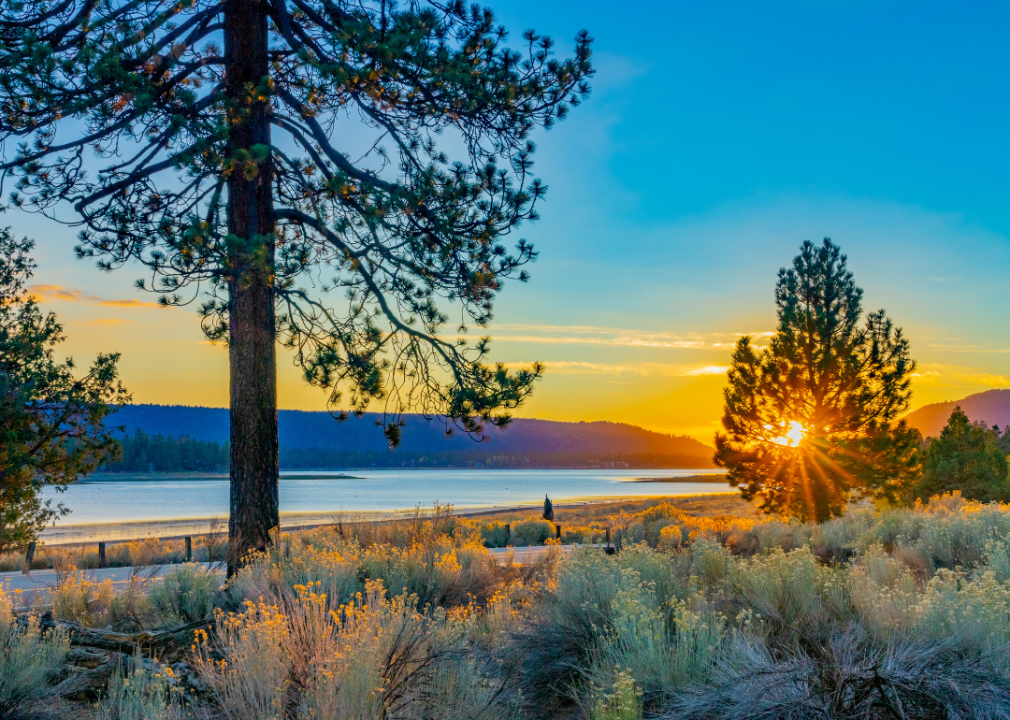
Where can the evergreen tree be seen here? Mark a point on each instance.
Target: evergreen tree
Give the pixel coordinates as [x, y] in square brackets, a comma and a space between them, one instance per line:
[968, 457]
[812, 417]
[143, 453]
[273, 152]
[51, 420]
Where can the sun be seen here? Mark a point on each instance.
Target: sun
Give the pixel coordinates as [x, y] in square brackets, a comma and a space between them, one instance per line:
[793, 436]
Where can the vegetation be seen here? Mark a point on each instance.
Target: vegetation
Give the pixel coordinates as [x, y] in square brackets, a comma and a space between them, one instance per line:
[51, 419]
[146, 453]
[968, 457]
[482, 457]
[812, 419]
[157, 453]
[30, 662]
[220, 168]
[695, 617]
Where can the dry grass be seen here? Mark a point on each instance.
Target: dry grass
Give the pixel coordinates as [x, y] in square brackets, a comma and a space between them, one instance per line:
[149, 551]
[698, 616]
[29, 661]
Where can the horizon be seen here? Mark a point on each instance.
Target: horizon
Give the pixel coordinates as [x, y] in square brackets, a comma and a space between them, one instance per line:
[885, 138]
[567, 422]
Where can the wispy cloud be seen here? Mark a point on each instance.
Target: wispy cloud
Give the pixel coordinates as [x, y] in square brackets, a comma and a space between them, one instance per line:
[564, 367]
[593, 335]
[709, 370]
[58, 292]
[958, 376]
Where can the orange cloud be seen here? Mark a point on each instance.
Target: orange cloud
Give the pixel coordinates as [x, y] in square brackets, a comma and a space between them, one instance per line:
[58, 292]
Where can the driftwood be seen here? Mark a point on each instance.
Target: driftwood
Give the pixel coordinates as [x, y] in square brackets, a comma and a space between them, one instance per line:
[168, 645]
[94, 655]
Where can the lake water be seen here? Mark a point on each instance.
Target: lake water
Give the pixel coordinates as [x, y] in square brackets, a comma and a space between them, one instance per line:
[371, 492]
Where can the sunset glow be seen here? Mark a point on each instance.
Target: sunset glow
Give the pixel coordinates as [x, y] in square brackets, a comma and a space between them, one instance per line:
[793, 436]
[706, 208]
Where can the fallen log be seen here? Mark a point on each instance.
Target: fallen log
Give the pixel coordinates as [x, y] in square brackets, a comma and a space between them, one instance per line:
[169, 645]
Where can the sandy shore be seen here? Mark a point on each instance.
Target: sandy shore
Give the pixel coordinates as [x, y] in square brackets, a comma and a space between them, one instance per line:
[181, 527]
[690, 478]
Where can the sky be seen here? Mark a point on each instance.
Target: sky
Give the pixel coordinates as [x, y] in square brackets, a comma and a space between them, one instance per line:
[718, 137]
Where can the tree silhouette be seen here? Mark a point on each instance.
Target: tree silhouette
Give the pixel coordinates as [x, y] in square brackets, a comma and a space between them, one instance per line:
[275, 152]
[812, 417]
[51, 419]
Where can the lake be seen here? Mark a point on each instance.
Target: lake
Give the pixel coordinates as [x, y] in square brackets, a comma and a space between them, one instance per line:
[369, 493]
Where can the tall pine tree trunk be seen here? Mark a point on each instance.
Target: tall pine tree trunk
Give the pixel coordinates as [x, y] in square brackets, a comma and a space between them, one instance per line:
[252, 349]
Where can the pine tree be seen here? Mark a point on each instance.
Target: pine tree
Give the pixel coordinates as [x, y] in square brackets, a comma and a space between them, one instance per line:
[51, 419]
[812, 417]
[275, 152]
[967, 457]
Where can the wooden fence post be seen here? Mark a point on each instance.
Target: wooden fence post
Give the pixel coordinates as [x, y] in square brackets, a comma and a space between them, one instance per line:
[30, 555]
[101, 554]
[189, 549]
[558, 528]
[508, 534]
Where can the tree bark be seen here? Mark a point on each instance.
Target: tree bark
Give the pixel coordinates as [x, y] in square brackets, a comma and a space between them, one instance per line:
[251, 312]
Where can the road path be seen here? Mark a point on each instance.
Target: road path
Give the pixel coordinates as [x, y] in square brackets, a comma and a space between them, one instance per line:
[40, 582]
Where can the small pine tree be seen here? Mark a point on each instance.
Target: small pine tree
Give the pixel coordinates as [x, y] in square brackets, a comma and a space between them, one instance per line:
[812, 418]
[968, 457]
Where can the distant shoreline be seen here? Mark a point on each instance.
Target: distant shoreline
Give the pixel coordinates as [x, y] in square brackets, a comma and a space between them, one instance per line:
[685, 479]
[106, 477]
[194, 477]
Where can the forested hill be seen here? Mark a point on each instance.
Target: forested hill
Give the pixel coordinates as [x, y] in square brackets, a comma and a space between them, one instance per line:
[316, 439]
[991, 407]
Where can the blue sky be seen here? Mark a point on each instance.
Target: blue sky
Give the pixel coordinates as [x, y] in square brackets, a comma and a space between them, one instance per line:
[719, 136]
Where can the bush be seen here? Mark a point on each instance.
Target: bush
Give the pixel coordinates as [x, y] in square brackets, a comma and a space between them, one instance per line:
[494, 535]
[29, 661]
[142, 691]
[789, 589]
[82, 600]
[438, 569]
[624, 703]
[383, 658]
[185, 594]
[527, 533]
[848, 676]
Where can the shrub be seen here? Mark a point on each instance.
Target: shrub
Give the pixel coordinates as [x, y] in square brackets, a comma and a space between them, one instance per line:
[142, 691]
[369, 658]
[624, 703]
[493, 535]
[849, 675]
[789, 588]
[81, 599]
[185, 594]
[251, 678]
[531, 531]
[438, 568]
[29, 661]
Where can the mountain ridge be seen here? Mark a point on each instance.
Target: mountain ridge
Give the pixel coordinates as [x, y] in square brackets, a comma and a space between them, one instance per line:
[991, 407]
[318, 430]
